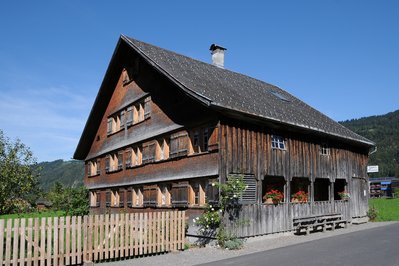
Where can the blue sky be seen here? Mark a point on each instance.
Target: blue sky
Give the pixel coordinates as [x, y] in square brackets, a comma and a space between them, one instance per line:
[340, 57]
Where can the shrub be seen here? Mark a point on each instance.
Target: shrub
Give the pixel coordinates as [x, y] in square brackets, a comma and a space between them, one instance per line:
[234, 243]
[372, 213]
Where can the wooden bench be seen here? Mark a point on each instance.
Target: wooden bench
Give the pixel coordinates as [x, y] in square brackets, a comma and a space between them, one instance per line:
[316, 221]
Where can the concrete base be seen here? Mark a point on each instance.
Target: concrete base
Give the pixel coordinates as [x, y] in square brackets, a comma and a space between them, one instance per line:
[360, 220]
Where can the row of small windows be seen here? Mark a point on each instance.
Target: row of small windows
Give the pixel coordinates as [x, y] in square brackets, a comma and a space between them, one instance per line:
[180, 194]
[178, 144]
[278, 142]
[129, 116]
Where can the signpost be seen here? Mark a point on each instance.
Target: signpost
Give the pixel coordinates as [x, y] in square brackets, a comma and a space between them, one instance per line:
[372, 169]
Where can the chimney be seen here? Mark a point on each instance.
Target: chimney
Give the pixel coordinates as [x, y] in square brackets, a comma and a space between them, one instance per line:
[217, 55]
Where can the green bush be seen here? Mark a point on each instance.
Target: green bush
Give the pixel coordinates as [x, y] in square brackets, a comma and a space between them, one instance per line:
[372, 213]
[233, 244]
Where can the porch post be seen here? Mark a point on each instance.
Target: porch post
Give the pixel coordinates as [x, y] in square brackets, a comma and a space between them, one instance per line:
[332, 191]
[287, 195]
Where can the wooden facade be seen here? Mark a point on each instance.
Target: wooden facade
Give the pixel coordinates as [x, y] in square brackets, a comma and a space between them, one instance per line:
[152, 142]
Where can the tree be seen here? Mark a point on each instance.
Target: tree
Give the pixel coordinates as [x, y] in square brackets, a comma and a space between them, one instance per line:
[18, 176]
[73, 201]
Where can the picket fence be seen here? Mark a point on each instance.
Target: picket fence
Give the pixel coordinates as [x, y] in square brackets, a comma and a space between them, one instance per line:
[75, 240]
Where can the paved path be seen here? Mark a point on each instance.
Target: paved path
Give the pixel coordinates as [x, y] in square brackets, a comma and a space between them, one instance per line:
[195, 256]
[376, 246]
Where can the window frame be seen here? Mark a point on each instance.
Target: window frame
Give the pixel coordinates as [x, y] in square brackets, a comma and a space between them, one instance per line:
[277, 141]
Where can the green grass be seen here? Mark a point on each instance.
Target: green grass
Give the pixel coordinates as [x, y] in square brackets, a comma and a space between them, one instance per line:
[387, 209]
[33, 215]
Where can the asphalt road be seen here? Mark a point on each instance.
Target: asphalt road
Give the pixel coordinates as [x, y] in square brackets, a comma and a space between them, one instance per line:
[377, 246]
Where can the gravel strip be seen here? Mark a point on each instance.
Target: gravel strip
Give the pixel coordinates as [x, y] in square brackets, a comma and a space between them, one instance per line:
[194, 256]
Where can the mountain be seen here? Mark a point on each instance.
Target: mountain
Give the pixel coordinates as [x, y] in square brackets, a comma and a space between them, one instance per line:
[384, 131]
[68, 173]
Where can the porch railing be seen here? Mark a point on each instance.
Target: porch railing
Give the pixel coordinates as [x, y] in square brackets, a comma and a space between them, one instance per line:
[260, 219]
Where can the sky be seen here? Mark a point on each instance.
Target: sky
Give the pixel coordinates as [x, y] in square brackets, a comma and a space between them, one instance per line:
[341, 57]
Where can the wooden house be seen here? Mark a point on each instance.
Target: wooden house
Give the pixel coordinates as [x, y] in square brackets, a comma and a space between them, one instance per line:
[164, 127]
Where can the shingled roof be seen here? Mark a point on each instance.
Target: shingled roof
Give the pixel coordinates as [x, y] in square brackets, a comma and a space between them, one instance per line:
[222, 88]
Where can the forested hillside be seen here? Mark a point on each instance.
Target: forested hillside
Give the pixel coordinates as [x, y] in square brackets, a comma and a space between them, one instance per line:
[68, 173]
[384, 131]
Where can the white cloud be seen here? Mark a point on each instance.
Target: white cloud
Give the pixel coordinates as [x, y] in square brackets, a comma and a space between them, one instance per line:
[49, 121]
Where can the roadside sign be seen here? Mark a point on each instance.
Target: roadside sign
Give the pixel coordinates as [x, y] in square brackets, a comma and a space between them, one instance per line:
[372, 169]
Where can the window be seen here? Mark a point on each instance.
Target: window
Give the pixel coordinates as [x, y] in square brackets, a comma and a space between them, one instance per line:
[129, 197]
[89, 168]
[114, 199]
[278, 142]
[148, 152]
[165, 195]
[199, 140]
[147, 107]
[107, 164]
[128, 158]
[93, 168]
[162, 152]
[93, 199]
[110, 127]
[129, 116]
[108, 199]
[98, 199]
[120, 161]
[137, 156]
[178, 144]
[212, 191]
[197, 193]
[137, 197]
[114, 162]
[273, 183]
[151, 195]
[122, 198]
[324, 149]
[205, 139]
[122, 119]
[98, 167]
[180, 194]
[196, 143]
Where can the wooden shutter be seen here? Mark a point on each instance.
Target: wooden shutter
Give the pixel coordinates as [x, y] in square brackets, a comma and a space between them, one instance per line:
[108, 199]
[129, 116]
[129, 197]
[212, 192]
[250, 194]
[148, 152]
[98, 199]
[180, 194]
[122, 198]
[178, 144]
[147, 107]
[150, 195]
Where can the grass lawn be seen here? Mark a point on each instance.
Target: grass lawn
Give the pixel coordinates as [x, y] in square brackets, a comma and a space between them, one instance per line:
[33, 215]
[387, 209]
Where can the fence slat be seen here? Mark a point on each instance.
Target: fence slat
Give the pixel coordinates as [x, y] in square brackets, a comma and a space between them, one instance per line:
[8, 242]
[73, 240]
[61, 242]
[55, 241]
[15, 242]
[49, 238]
[68, 240]
[79, 241]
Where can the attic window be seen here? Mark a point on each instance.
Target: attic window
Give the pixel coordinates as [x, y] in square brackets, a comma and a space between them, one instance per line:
[278, 142]
[324, 149]
[280, 96]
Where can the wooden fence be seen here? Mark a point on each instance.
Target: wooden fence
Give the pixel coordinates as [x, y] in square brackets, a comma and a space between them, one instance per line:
[74, 240]
[260, 219]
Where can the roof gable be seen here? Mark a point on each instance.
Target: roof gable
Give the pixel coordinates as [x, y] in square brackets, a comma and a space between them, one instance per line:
[216, 88]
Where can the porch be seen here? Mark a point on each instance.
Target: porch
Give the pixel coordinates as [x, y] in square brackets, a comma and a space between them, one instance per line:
[261, 219]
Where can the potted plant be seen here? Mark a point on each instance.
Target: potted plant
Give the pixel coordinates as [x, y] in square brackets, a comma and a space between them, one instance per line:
[273, 197]
[300, 196]
[344, 195]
